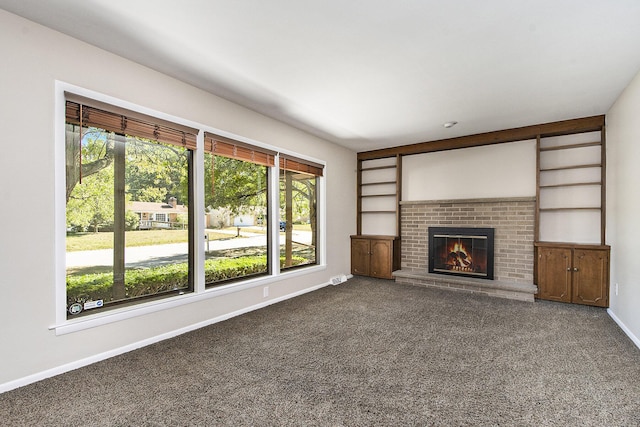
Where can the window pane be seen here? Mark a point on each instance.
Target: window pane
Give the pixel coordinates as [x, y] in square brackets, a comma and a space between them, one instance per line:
[235, 219]
[298, 219]
[127, 219]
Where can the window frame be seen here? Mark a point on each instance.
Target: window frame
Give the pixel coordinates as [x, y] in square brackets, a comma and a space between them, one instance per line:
[269, 242]
[129, 130]
[62, 325]
[310, 170]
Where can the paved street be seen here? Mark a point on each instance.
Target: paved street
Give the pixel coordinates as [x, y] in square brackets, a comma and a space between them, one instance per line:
[148, 256]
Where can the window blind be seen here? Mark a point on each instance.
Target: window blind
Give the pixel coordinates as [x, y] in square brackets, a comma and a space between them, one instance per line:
[126, 122]
[299, 165]
[227, 147]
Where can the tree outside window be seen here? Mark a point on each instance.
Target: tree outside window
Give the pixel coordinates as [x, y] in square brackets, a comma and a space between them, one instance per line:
[110, 261]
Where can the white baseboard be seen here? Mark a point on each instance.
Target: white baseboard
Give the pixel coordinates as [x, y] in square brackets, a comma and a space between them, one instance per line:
[127, 348]
[626, 330]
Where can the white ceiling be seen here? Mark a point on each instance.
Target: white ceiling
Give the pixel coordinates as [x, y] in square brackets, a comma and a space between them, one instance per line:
[369, 74]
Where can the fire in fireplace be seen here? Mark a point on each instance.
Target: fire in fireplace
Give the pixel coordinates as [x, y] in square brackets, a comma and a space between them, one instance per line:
[461, 251]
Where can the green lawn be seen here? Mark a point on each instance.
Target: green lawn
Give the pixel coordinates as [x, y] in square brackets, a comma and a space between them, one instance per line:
[104, 240]
[93, 241]
[302, 227]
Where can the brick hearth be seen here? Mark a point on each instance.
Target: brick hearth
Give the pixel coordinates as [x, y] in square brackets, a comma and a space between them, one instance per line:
[513, 221]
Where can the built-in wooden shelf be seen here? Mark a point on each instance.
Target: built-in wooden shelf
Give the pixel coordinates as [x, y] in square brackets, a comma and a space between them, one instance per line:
[375, 168]
[567, 155]
[562, 168]
[377, 183]
[570, 146]
[379, 195]
[580, 208]
[573, 184]
[378, 173]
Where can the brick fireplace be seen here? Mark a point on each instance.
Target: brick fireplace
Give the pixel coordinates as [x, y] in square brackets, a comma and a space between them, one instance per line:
[512, 220]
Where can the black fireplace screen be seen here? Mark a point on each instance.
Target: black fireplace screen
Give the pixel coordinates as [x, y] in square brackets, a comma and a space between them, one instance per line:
[461, 251]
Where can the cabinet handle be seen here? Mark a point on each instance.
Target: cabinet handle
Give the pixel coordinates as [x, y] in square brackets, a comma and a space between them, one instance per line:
[568, 268]
[575, 268]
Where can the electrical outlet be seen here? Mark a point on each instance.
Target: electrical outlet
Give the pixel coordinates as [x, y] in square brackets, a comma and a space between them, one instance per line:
[616, 289]
[265, 292]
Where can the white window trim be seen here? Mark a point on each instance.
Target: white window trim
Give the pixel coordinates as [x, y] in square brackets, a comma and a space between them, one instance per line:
[62, 325]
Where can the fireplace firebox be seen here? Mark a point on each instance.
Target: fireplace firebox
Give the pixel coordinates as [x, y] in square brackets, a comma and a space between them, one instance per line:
[461, 251]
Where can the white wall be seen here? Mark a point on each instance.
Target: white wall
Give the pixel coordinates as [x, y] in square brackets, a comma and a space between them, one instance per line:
[503, 170]
[623, 207]
[34, 57]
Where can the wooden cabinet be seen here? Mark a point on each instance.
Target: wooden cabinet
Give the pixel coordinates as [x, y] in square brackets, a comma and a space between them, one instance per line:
[573, 273]
[375, 256]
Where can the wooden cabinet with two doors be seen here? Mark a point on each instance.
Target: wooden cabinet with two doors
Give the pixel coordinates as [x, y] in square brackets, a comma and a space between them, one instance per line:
[571, 257]
[573, 273]
[375, 256]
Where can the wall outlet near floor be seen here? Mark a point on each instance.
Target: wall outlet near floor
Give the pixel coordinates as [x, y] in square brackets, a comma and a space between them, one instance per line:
[265, 292]
[616, 289]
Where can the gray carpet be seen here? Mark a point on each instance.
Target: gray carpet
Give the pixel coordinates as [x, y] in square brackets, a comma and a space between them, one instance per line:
[365, 353]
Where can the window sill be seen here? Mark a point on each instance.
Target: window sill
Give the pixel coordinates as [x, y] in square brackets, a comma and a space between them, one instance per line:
[129, 312]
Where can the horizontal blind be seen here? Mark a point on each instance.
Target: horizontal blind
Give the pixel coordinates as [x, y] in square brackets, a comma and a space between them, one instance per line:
[126, 122]
[227, 147]
[299, 165]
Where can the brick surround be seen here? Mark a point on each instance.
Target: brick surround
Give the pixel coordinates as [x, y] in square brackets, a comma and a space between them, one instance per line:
[513, 221]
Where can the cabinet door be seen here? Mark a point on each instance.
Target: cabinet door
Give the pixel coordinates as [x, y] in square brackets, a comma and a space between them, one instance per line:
[591, 277]
[381, 258]
[554, 274]
[360, 257]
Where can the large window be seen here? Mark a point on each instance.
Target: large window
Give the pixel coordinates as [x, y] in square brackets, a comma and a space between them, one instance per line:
[298, 211]
[236, 206]
[128, 216]
[130, 209]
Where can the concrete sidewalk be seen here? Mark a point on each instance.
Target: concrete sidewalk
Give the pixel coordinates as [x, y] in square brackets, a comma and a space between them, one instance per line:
[148, 256]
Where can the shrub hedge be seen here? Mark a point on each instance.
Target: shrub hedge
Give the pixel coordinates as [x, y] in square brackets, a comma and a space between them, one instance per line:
[150, 281]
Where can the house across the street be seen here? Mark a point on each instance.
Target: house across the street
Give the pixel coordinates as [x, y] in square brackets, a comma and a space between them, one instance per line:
[159, 215]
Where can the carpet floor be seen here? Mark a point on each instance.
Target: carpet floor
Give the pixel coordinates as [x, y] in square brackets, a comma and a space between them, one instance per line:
[365, 353]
